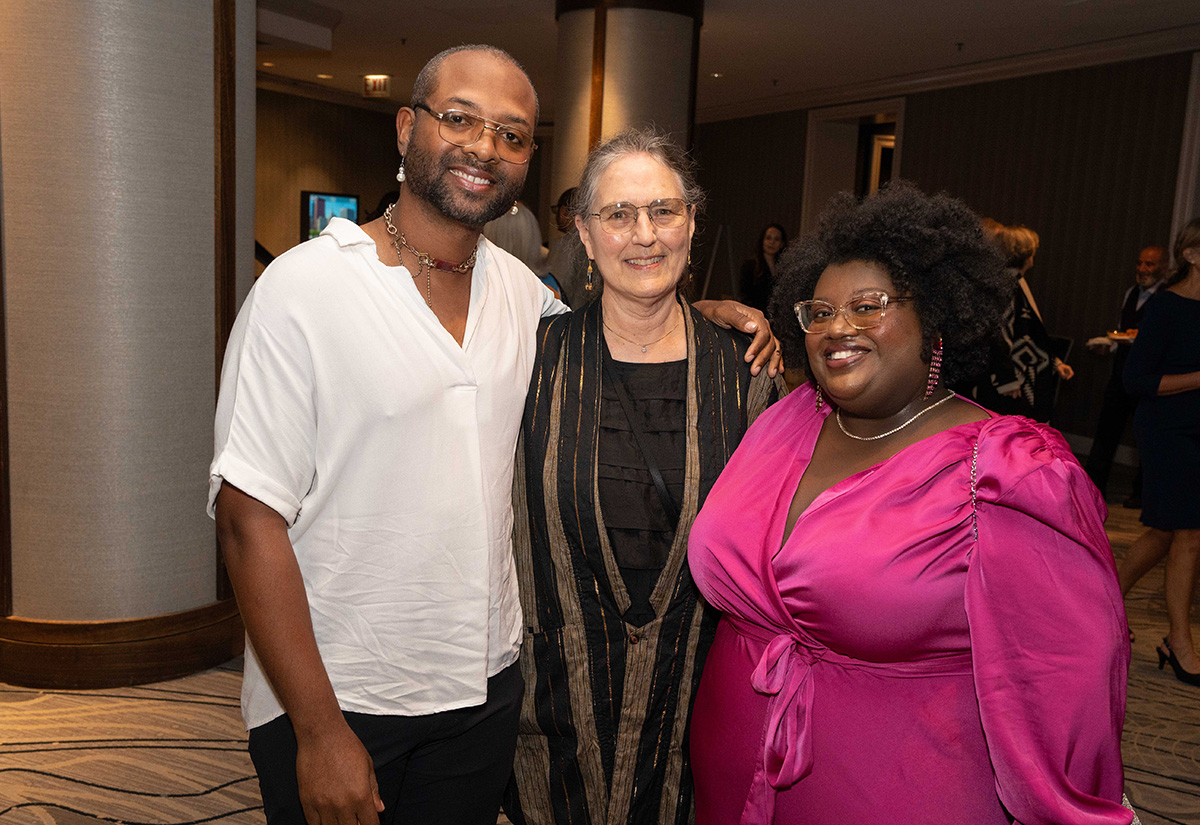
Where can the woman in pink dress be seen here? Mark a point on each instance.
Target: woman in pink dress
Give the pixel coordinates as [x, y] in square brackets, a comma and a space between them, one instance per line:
[921, 615]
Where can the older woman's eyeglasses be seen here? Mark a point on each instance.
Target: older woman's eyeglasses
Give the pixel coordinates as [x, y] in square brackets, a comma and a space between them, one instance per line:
[861, 312]
[464, 129]
[666, 213]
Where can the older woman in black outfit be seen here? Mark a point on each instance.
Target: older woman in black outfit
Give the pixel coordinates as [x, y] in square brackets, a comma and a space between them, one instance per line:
[635, 405]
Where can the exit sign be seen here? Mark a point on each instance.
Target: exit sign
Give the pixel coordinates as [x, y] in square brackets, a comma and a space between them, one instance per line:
[377, 85]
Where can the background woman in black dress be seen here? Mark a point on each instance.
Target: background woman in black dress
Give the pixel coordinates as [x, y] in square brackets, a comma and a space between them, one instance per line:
[1164, 368]
[757, 277]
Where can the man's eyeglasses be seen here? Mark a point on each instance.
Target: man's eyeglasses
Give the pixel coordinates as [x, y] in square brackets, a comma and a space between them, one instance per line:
[666, 213]
[464, 129]
[861, 312]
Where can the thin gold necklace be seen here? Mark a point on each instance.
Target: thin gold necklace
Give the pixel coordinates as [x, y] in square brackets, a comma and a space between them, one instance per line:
[425, 263]
[838, 416]
[644, 346]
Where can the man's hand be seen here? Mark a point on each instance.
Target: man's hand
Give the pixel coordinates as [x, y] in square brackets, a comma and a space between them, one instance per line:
[1064, 371]
[336, 779]
[764, 349]
[333, 769]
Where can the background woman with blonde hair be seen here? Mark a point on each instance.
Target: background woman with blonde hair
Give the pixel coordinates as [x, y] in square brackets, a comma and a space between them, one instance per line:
[1026, 372]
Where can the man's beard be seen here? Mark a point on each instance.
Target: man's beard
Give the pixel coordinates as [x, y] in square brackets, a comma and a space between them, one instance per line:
[428, 180]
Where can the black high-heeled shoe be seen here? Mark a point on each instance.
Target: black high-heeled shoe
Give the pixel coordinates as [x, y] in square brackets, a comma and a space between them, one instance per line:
[1168, 655]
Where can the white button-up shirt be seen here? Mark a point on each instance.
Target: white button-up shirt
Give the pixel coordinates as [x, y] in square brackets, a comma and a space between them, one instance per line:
[388, 449]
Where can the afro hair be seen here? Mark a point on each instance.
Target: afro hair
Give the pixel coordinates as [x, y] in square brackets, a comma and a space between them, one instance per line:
[932, 247]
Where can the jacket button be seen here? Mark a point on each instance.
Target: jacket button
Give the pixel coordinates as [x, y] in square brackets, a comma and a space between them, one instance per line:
[633, 638]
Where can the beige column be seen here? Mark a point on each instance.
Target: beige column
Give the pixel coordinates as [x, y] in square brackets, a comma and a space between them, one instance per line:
[109, 136]
[621, 63]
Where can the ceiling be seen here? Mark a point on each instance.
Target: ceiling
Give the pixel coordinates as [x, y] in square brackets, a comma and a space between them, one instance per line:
[771, 55]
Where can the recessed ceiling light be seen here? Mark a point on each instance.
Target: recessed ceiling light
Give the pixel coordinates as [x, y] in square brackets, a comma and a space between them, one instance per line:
[269, 65]
[325, 77]
[717, 74]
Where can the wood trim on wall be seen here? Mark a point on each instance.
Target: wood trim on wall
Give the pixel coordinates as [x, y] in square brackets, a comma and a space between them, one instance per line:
[225, 200]
[596, 115]
[6, 593]
[50, 654]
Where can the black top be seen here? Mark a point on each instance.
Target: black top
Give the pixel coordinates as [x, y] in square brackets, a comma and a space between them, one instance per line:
[755, 284]
[1168, 343]
[639, 529]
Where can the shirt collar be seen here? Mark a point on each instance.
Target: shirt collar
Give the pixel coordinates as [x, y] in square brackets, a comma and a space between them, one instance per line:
[346, 233]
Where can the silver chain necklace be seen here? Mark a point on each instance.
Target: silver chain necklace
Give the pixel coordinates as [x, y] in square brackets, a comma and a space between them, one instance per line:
[644, 347]
[838, 415]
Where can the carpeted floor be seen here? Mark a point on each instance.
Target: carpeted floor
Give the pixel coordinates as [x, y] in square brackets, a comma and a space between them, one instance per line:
[174, 753]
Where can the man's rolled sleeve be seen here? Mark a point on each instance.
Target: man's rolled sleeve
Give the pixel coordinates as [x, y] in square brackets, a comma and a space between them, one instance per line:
[266, 419]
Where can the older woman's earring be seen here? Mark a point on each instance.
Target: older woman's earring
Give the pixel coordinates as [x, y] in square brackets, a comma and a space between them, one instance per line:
[935, 368]
[514, 208]
[820, 400]
[588, 283]
[400, 174]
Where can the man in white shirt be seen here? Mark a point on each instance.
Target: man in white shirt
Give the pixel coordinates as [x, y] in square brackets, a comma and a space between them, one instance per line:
[366, 428]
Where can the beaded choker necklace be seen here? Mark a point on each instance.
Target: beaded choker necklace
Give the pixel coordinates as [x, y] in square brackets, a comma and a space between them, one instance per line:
[425, 263]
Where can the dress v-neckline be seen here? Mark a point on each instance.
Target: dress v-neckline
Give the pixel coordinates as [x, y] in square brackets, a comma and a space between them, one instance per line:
[802, 459]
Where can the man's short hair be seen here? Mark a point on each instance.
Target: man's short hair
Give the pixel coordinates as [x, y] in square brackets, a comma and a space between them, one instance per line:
[427, 80]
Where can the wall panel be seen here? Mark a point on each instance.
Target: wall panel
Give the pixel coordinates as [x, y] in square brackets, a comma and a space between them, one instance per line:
[311, 144]
[1086, 157]
[752, 169]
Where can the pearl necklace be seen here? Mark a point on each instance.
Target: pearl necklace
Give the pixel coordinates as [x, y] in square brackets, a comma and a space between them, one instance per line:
[838, 415]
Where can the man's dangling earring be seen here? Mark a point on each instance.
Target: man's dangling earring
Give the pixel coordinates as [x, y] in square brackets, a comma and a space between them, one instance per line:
[820, 400]
[588, 283]
[935, 368]
[514, 208]
[400, 174]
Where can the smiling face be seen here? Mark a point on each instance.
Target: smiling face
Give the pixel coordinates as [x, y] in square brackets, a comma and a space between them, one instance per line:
[645, 262]
[875, 372]
[1151, 268]
[468, 184]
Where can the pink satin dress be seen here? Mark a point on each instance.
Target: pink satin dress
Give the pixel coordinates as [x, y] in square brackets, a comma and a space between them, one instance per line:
[922, 649]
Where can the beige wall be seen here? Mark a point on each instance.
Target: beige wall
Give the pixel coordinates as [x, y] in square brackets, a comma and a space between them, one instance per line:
[310, 144]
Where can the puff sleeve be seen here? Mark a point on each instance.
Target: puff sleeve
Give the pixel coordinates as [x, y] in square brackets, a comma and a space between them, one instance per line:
[1048, 634]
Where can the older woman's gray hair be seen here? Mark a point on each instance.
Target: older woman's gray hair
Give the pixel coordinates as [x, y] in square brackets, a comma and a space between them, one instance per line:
[646, 141]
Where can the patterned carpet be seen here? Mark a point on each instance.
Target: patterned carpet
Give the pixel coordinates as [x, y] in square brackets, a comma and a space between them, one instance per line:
[175, 754]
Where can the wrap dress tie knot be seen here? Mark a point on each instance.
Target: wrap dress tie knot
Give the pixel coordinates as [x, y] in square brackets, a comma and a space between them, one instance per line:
[784, 675]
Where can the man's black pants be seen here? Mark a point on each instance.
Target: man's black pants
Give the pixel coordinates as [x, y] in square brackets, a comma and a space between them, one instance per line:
[449, 767]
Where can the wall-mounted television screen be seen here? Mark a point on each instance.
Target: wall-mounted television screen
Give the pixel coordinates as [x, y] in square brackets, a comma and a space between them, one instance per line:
[316, 208]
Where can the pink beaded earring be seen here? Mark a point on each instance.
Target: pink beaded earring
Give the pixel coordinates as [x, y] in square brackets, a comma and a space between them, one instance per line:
[935, 368]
